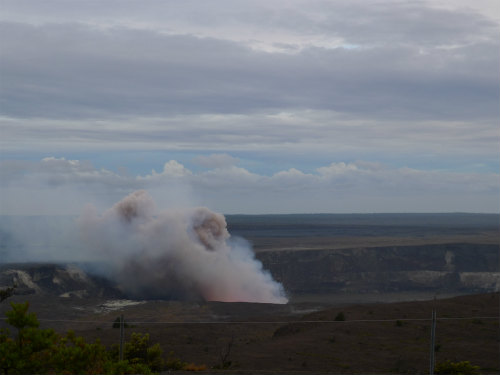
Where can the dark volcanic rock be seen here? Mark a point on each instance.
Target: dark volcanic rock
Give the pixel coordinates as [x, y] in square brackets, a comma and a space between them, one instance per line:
[441, 267]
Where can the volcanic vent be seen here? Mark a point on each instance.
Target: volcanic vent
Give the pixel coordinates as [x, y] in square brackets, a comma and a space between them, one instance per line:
[181, 254]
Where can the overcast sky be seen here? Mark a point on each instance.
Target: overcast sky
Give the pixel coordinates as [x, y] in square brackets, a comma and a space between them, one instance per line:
[251, 106]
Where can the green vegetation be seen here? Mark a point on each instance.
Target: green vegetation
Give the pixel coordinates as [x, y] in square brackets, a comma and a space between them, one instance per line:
[456, 368]
[43, 351]
[6, 293]
[340, 317]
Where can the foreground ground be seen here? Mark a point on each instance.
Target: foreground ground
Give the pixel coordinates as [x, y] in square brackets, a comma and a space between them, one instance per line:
[373, 338]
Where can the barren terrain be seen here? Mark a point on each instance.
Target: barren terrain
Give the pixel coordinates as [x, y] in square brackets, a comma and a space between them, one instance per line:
[373, 338]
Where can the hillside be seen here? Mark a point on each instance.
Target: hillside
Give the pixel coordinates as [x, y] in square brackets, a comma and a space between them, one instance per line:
[373, 338]
[436, 268]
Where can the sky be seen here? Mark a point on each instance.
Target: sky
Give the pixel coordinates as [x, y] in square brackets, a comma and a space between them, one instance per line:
[296, 106]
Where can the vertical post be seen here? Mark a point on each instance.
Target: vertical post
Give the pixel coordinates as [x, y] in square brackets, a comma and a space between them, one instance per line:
[122, 336]
[433, 342]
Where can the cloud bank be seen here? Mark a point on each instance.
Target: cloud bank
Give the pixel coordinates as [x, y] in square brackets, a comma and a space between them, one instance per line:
[59, 186]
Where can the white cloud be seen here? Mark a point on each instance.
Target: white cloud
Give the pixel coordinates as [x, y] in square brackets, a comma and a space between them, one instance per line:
[337, 169]
[291, 173]
[58, 186]
[326, 135]
[228, 176]
[173, 169]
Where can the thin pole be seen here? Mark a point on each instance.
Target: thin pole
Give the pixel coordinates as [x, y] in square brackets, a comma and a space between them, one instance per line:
[433, 342]
[122, 336]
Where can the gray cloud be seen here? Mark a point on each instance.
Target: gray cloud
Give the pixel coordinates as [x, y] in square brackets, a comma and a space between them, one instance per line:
[279, 86]
[216, 160]
[409, 60]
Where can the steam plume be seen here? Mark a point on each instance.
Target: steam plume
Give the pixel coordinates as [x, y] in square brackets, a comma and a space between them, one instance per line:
[176, 254]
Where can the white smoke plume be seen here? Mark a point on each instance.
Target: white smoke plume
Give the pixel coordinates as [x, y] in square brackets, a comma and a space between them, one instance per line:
[176, 254]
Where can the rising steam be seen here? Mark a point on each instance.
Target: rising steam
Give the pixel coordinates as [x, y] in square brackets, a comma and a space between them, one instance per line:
[176, 254]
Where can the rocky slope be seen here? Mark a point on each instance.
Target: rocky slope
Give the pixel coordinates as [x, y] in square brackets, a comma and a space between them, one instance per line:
[452, 267]
[54, 279]
[440, 268]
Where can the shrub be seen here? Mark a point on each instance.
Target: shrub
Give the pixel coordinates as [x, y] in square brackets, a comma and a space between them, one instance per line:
[174, 363]
[42, 351]
[193, 367]
[340, 317]
[6, 293]
[456, 368]
[139, 351]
